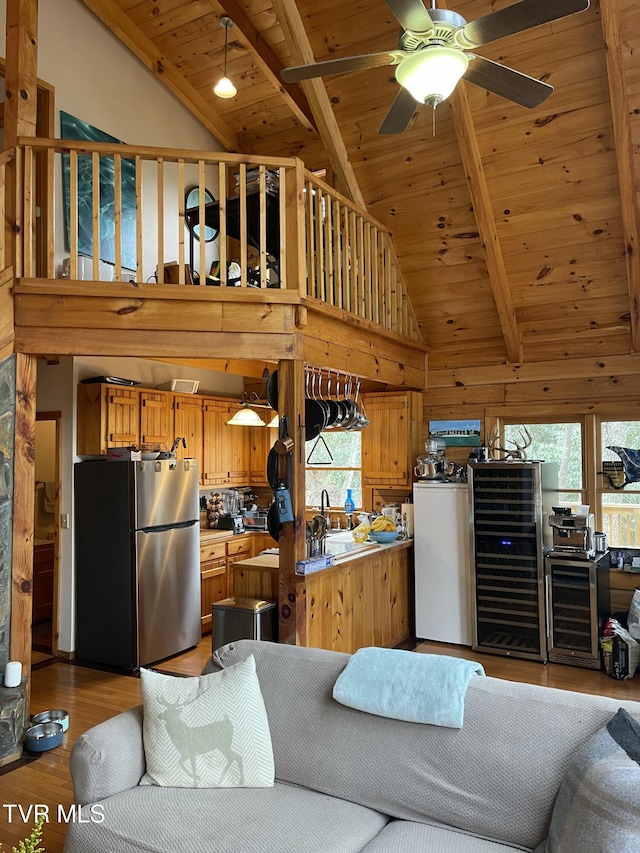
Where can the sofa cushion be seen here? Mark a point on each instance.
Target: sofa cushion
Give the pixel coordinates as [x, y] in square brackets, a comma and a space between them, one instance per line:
[206, 732]
[496, 777]
[282, 819]
[598, 804]
[406, 836]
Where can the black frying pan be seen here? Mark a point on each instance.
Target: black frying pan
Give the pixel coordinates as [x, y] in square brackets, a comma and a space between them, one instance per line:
[273, 522]
[314, 419]
[272, 468]
[272, 390]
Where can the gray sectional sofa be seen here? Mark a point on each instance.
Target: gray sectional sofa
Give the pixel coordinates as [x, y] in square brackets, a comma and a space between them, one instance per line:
[348, 781]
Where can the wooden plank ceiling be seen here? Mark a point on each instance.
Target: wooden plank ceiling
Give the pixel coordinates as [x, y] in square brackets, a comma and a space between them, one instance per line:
[514, 236]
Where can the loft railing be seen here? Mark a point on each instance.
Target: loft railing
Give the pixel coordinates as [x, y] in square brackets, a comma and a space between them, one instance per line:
[6, 157]
[267, 223]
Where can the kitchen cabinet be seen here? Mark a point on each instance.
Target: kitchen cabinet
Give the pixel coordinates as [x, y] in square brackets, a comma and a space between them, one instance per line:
[187, 423]
[156, 418]
[261, 440]
[622, 586]
[108, 416]
[122, 416]
[213, 578]
[217, 556]
[392, 441]
[225, 448]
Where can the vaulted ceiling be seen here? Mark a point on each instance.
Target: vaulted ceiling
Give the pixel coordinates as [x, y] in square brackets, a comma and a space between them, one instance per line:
[516, 229]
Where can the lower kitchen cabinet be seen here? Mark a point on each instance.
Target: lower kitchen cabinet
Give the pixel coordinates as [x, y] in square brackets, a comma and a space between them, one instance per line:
[216, 571]
[213, 579]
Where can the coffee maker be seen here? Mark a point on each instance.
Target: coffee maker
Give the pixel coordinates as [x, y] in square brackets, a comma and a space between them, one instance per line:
[573, 534]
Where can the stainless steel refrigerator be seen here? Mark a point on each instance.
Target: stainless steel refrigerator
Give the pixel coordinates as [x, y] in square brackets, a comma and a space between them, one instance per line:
[137, 556]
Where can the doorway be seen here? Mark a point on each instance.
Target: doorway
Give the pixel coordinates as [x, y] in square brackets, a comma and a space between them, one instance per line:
[44, 623]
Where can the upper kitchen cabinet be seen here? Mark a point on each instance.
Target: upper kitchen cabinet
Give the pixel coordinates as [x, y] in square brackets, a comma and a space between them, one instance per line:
[392, 441]
[226, 448]
[108, 416]
[187, 423]
[260, 441]
[156, 418]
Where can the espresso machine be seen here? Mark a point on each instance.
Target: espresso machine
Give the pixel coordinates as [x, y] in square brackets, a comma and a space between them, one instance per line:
[573, 534]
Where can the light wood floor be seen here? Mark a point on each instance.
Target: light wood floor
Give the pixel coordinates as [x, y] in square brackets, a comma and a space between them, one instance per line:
[91, 696]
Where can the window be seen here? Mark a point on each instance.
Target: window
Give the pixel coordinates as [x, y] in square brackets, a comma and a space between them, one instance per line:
[620, 504]
[555, 442]
[334, 463]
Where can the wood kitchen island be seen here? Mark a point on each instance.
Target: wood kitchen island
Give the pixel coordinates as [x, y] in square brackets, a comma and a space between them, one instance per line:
[365, 599]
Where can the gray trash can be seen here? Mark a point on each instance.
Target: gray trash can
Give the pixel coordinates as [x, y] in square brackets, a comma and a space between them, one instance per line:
[243, 619]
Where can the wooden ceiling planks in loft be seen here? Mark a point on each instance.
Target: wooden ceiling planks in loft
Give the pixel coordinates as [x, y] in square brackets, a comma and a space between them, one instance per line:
[540, 265]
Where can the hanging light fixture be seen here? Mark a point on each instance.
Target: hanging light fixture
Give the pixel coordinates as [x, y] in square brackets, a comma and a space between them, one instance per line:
[224, 88]
[432, 74]
[274, 423]
[247, 415]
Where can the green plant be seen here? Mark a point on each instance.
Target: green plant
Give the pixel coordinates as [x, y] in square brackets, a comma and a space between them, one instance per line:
[30, 844]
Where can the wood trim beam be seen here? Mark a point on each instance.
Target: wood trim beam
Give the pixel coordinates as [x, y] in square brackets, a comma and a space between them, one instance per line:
[627, 177]
[539, 371]
[124, 30]
[296, 36]
[483, 211]
[266, 61]
[21, 70]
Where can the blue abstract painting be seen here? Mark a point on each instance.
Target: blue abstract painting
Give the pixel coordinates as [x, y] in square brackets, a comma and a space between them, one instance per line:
[74, 128]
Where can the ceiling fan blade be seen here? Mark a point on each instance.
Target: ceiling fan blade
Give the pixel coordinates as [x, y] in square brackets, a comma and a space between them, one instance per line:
[400, 113]
[516, 18]
[411, 14]
[502, 80]
[341, 66]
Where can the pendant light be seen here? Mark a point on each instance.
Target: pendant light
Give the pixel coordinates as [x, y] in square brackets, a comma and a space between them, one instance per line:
[247, 415]
[224, 88]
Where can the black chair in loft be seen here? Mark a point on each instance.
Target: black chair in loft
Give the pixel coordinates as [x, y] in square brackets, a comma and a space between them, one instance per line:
[212, 229]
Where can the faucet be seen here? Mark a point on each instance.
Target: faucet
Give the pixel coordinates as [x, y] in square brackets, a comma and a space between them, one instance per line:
[325, 508]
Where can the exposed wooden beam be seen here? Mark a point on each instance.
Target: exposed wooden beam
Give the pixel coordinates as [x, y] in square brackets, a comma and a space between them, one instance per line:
[122, 27]
[2, 114]
[472, 164]
[21, 70]
[301, 53]
[627, 177]
[266, 61]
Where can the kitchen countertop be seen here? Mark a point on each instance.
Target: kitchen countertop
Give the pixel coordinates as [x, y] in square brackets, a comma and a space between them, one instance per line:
[368, 549]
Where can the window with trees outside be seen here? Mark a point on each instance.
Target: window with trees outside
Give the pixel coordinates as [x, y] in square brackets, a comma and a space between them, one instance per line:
[555, 442]
[620, 495]
[334, 463]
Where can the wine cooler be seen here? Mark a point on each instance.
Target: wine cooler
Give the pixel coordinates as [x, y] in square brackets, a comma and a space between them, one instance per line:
[510, 504]
[578, 604]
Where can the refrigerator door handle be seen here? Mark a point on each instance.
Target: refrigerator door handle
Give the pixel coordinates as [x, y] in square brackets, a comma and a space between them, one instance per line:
[161, 528]
[547, 601]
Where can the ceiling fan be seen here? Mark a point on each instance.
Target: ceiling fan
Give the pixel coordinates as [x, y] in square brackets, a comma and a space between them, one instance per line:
[433, 55]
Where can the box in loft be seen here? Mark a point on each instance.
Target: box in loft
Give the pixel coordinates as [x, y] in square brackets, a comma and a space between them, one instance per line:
[182, 386]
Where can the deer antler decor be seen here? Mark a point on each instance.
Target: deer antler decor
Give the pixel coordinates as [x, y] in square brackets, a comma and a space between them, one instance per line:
[519, 452]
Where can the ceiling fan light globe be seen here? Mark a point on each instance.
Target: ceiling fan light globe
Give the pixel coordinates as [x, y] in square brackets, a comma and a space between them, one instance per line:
[224, 88]
[431, 75]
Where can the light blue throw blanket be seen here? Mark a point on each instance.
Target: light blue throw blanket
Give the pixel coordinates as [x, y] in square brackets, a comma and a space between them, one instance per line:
[407, 685]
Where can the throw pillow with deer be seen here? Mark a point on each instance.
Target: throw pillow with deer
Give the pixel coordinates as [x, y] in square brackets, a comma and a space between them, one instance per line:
[210, 731]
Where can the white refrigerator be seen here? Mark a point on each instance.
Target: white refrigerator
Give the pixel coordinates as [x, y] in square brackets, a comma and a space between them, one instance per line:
[442, 562]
